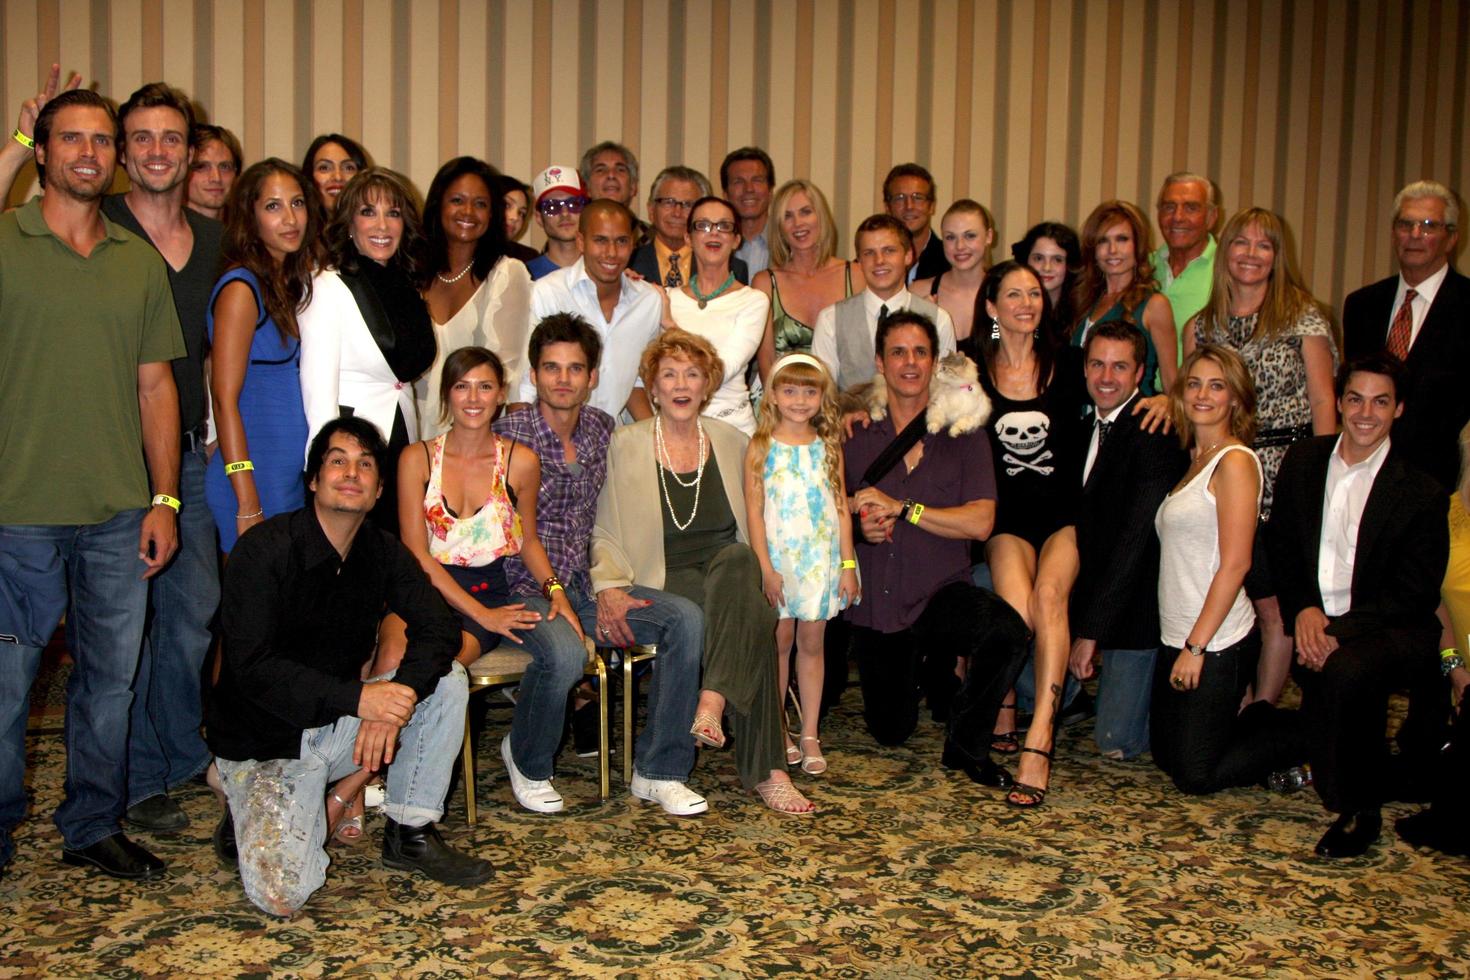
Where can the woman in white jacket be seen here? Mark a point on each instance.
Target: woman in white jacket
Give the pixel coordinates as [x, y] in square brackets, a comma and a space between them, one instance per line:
[366, 336]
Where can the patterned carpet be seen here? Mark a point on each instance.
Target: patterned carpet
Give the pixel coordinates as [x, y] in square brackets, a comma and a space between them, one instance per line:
[906, 872]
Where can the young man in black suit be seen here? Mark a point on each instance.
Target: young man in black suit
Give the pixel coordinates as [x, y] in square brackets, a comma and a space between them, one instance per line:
[1115, 603]
[1359, 540]
[1421, 315]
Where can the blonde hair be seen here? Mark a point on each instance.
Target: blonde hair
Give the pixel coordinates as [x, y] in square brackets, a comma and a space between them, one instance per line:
[1237, 381]
[687, 346]
[1287, 299]
[827, 422]
[826, 227]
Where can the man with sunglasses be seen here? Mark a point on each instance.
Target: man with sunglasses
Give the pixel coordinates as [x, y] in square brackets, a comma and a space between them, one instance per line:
[560, 198]
[1421, 316]
[668, 259]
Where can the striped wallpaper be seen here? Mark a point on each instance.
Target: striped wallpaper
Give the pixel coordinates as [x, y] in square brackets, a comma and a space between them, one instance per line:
[1315, 108]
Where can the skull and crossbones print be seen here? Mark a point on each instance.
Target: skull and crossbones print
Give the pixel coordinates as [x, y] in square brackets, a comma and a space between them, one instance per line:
[1024, 436]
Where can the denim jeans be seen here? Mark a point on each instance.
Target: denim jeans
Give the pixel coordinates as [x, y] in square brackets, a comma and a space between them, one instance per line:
[664, 750]
[279, 805]
[104, 628]
[1123, 693]
[1196, 736]
[165, 747]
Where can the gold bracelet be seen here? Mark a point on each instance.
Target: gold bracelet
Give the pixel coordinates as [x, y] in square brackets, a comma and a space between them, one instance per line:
[23, 139]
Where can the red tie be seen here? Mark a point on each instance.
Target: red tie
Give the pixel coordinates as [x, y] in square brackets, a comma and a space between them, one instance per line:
[1402, 327]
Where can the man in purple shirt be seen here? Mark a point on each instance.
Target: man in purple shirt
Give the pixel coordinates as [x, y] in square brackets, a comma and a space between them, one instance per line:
[920, 609]
[570, 437]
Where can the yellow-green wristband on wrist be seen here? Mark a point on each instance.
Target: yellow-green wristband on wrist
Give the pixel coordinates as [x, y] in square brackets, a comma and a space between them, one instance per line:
[915, 513]
[166, 500]
[23, 139]
[242, 466]
[1449, 652]
[849, 563]
[554, 588]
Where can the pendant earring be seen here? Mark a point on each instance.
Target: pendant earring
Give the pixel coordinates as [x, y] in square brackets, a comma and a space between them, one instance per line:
[995, 328]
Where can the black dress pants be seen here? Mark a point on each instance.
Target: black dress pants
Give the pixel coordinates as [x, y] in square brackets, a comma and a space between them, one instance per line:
[960, 620]
[1194, 734]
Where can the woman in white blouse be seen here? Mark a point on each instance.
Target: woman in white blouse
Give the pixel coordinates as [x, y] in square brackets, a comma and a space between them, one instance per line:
[478, 295]
[366, 336]
[718, 308]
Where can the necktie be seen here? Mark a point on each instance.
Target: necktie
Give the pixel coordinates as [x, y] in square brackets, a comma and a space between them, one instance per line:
[673, 278]
[882, 312]
[1102, 433]
[1402, 326]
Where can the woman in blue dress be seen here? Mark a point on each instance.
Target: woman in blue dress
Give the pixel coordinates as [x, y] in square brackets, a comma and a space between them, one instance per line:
[272, 224]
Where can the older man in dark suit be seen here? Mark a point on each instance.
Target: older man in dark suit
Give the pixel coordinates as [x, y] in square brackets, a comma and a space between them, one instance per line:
[1359, 540]
[1422, 316]
[1115, 603]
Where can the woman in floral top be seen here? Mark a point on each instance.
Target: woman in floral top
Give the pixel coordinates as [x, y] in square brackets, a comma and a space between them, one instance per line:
[1260, 308]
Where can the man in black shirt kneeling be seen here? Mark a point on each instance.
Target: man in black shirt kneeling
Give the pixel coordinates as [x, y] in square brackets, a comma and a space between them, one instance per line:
[303, 595]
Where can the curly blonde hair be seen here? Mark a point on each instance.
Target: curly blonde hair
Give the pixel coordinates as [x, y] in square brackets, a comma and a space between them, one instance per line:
[827, 422]
[686, 346]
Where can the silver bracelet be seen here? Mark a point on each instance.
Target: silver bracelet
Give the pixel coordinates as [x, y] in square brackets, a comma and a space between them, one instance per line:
[246, 517]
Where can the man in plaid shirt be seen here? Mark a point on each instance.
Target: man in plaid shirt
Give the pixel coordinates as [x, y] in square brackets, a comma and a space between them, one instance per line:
[571, 439]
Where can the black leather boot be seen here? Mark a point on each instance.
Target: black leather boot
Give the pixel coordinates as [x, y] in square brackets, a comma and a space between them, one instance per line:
[422, 849]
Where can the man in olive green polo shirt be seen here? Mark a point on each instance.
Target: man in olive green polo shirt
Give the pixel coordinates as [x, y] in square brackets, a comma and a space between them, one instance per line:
[1184, 265]
[89, 434]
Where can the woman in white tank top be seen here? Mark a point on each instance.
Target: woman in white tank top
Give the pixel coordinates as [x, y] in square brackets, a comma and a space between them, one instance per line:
[1206, 526]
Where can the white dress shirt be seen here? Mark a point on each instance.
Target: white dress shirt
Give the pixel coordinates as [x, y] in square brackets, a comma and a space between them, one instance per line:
[1346, 493]
[1092, 444]
[1424, 294]
[635, 321]
[824, 334]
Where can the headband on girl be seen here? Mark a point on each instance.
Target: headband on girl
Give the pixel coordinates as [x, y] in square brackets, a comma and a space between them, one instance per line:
[798, 358]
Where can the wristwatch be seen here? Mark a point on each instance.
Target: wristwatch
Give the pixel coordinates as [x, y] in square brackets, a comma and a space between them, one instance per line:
[1197, 649]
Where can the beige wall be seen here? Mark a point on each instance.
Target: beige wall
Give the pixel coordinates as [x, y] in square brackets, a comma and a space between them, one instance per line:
[1038, 108]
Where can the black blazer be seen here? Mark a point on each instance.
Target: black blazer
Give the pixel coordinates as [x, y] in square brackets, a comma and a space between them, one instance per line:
[645, 263]
[1403, 544]
[1116, 598]
[932, 261]
[1437, 404]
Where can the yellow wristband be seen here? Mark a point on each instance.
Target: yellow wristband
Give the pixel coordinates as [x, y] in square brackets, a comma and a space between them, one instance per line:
[240, 467]
[557, 587]
[1449, 652]
[848, 563]
[166, 500]
[915, 513]
[23, 139]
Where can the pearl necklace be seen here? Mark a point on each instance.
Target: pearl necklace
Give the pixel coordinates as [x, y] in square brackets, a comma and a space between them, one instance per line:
[454, 279]
[667, 463]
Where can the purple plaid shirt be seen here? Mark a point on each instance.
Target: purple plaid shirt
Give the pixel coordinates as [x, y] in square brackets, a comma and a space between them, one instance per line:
[567, 502]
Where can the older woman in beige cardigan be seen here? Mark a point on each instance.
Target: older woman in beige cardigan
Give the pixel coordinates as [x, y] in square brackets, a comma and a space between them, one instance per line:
[672, 517]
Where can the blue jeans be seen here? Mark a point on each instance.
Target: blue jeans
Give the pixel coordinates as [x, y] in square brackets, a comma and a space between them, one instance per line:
[164, 744]
[279, 805]
[104, 631]
[1123, 693]
[664, 750]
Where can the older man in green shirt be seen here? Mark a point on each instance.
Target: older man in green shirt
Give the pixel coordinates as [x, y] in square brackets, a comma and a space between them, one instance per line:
[1184, 265]
[89, 435]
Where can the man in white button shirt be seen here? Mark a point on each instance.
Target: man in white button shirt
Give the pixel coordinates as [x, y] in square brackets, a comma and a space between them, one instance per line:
[625, 312]
[1358, 541]
[843, 336]
[1421, 315]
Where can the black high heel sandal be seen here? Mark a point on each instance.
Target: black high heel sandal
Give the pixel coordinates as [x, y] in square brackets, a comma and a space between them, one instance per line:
[1006, 743]
[1030, 796]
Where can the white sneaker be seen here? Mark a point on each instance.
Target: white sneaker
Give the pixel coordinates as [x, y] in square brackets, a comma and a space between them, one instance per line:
[536, 795]
[677, 799]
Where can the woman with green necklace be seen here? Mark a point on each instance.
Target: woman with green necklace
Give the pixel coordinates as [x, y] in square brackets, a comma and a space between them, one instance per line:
[715, 306]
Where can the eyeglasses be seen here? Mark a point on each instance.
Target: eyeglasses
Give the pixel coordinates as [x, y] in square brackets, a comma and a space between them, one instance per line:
[1426, 226]
[909, 199]
[706, 227]
[550, 208]
[673, 203]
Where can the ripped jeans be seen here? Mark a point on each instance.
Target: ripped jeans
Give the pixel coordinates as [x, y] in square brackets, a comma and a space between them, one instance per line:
[279, 805]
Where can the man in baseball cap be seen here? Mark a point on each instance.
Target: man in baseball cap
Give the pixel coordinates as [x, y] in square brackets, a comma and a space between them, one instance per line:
[559, 198]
